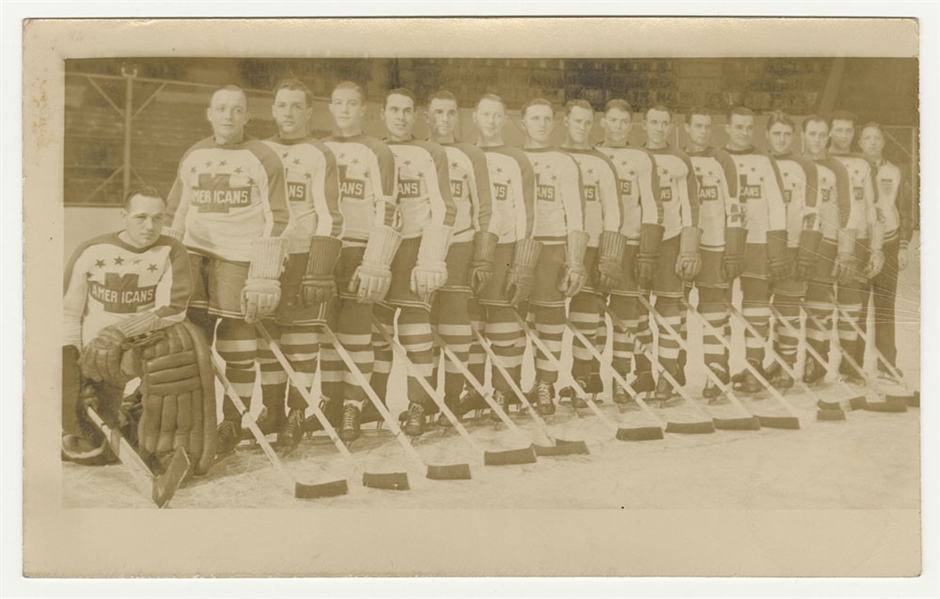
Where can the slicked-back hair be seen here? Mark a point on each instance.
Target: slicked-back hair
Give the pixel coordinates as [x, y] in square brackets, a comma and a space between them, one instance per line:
[572, 104]
[874, 125]
[658, 108]
[295, 85]
[780, 117]
[535, 102]
[146, 190]
[813, 118]
[230, 88]
[740, 111]
[618, 104]
[352, 85]
[442, 94]
[697, 111]
[399, 91]
[841, 115]
[492, 98]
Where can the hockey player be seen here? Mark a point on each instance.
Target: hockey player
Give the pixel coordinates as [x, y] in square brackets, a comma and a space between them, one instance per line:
[419, 268]
[761, 191]
[894, 193]
[124, 290]
[229, 208]
[307, 284]
[669, 251]
[371, 235]
[639, 192]
[801, 196]
[600, 193]
[559, 226]
[470, 257]
[870, 236]
[722, 220]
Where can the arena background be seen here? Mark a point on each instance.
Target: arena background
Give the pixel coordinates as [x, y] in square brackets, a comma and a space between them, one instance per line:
[129, 121]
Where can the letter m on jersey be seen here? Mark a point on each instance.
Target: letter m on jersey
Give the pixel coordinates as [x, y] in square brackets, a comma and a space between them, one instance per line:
[121, 293]
[216, 193]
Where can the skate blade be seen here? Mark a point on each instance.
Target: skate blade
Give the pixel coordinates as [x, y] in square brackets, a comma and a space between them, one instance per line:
[320, 490]
[737, 424]
[525, 455]
[392, 481]
[645, 433]
[690, 428]
[449, 472]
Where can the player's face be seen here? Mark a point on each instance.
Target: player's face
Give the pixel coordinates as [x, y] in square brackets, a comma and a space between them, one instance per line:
[872, 142]
[579, 124]
[657, 127]
[815, 137]
[442, 117]
[228, 113]
[489, 117]
[616, 125]
[538, 123]
[347, 108]
[740, 131]
[399, 116]
[842, 134]
[780, 137]
[699, 129]
[143, 220]
[291, 113]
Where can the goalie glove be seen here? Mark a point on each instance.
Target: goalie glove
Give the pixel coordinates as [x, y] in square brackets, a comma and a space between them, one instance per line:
[651, 237]
[481, 265]
[262, 291]
[734, 261]
[806, 257]
[610, 259]
[318, 285]
[521, 278]
[575, 274]
[846, 267]
[373, 277]
[430, 271]
[778, 257]
[689, 261]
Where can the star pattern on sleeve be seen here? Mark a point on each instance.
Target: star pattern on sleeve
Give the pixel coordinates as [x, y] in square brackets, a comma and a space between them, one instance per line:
[223, 163]
[454, 165]
[238, 170]
[192, 170]
[136, 261]
[208, 163]
[308, 175]
[118, 261]
[99, 263]
[152, 267]
[296, 161]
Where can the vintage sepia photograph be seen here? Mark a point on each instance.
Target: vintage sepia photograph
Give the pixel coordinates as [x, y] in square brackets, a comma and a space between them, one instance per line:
[449, 290]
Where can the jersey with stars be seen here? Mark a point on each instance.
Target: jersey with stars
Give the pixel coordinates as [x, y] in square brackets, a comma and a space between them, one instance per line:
[864, 194]
[835, 202]
[678, 190]
[559, 205]
[719, 206]
[107, 280]
[512, 185]
[312, 190]
[368, 195]
[638, 189]
[470, 188]
[894, 197]
[761, 190]
[227, 195]
[800, 195]
[423, 186]
[601, 193]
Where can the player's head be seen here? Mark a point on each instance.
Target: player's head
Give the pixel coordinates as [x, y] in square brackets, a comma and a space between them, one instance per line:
[143, 216]
[815, 135]
[872, 140]
[228, 113]
[698, 126]
[538, 120]
[442, 114]
[618, 116]
[740, 128]
[780, 130]
[292, 108]
[398, 113]
[489, 116]
[579, 120]
[348, 107]
[841, 130]
[657, 121]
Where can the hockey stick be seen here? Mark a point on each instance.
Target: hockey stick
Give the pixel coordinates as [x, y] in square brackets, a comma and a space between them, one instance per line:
[556, 446]
[751, 421]
[791, 422]
[821, 414]
[911, 396]
[433, 472]
[853, 402]
[299, 490]
[393, 481]
[159, 488]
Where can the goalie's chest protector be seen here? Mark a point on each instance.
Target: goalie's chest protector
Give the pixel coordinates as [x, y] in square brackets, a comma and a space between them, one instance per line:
[631, 164]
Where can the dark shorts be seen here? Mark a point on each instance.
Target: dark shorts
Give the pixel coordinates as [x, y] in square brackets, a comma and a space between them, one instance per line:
[400, 294]
[712, 274]
[666, 282]
[548, 273]
[349, 260]
[493, 293]
[825, 261]
[458, 267]
[628, 285]
[217, 285]
[291, 309]
[590, 263]
[755, 261]
[790, 285]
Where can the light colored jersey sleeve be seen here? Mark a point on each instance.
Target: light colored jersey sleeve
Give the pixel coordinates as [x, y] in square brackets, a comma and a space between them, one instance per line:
[325, 190]
[384, 177]
[177, 275]
[525, 198]
[443, 207]
[688, 195]
[75, 295]
[571, 195]
[272, 188]
[651, 207]
[812, 198]
[611, 201]
[734, 210]
[177, 202]
[481, 194]
[773, 189]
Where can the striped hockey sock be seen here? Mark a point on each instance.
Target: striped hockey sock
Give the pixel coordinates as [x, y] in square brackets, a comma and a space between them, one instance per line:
[583, 315]
[238, 346]
[550, 328]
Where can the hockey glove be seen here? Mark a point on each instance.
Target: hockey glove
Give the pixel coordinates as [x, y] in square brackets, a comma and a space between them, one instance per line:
[430, 271]
[101, 359]
[575, 274]
[846, 267]
[806, 257]
[689, 262]
[610, 259]
[262, 291]
[318, 285]
[481, 265]
[373, 277]
[778, 257]
[521, 277]
[651, 236]
[734, 260]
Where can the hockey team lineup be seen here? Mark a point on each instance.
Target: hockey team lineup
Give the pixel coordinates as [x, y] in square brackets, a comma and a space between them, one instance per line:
[310, 275]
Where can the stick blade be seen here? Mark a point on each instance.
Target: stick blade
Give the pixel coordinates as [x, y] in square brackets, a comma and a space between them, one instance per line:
[737, 424]
[562, 447]
[690, 428]
[915, 400]
[889, 405]
[165, 485]
[791, 423]
[830, 415]
[509, 457]
[318, 491]
[449, 472]
[392, 481]
[643, 433]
